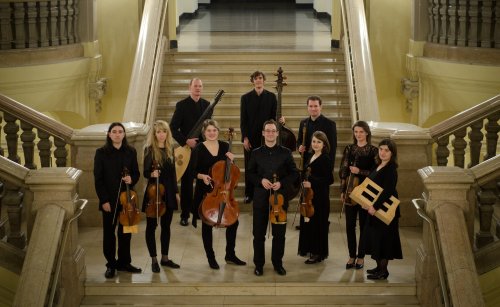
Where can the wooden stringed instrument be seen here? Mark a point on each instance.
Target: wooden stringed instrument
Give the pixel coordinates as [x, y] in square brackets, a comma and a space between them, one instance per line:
[130, 214]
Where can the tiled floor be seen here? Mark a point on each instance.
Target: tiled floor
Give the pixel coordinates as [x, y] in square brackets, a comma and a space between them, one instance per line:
[187, 249]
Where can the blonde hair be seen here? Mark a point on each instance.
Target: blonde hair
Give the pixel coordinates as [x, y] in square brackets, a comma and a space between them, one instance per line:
[153, 145]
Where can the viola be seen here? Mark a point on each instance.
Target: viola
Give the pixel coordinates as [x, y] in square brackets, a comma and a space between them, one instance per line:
[219, 207]
[277, 215]
[130, 214]
[156, 192]
[306, 196]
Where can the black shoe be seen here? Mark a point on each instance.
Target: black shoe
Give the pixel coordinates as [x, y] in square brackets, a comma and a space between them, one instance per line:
[170, 264]
[248, 199]
[297, 227]
[234, 260]
[350, 265]
[378, 275]
[110, 273]
[280, 270]
[155, 267]
[313, 260]
[372, 271]
[129, 268]
[213, 264]
[184, 222]
[259, 271]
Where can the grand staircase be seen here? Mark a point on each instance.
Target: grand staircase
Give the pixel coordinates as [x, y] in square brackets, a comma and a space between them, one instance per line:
[308, 73]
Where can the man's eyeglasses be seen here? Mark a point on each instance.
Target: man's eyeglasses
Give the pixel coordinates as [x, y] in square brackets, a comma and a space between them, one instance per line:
[270, 131]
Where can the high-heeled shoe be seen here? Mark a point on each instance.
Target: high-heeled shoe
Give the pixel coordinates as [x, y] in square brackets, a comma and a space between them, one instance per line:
[350, 265]
[358, 265]
[378, 275]
[313, 260]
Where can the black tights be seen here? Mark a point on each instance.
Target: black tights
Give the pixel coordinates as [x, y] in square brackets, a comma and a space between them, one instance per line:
[382, 265]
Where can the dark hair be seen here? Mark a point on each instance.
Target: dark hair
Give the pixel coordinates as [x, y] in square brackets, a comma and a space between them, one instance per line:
[320, 135]
[109, 142]
[314, 98]
[392, 147]
[257, 73]
[366, 127]
[270, 122]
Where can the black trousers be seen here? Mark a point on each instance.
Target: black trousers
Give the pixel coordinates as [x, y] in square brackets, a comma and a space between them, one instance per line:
[260, 220]
[351, 215]
[207, 236]
[186, 192]
[248, 185]
[151, 224]
[109, 241]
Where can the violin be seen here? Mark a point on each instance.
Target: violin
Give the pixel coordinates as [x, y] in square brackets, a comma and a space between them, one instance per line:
[219, 207]
[306, 196]
[277, 215]
[156, 192]
[352, 182]
[130, 214]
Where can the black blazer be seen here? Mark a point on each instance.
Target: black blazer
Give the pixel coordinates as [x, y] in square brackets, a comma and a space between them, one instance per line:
[254, 111]
[320, 124]
[186, 114]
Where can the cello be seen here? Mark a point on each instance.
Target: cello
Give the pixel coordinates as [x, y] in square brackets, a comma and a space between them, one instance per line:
[130, 214]
[156, 192]
[277, 214]
[219, 207]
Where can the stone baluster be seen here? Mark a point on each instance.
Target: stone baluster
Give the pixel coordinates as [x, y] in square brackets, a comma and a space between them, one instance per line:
[76, 13]
[486, 23]
[1, 149]
[53, 16]
[475, 137]
[18, 21]
[453, 15]
[442, 151]
[28, 138]
[434, 18]
[496, 35]
[61, 153]
[11, 128]
[492, 129]
[459, 145]
[447, 191]
[44, 147]
[5, 26]
[444, 22]
[3, 221]
[31, 21]
[43, 14]
[13, 200]
[63, 22]
[486, 198]
[462, 23]
[71, 15]
[473, 31]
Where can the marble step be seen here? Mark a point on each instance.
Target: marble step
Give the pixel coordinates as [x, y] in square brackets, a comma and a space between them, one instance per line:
[251, 65]
[234, 97]
[333, 55]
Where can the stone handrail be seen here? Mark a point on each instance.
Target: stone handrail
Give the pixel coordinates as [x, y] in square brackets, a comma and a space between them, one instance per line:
[148, 63]
[36, 24]
[28, 118]
[361, 80]
[484, 115]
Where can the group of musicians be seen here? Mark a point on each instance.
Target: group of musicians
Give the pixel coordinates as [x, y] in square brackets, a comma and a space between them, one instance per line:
[270, 175]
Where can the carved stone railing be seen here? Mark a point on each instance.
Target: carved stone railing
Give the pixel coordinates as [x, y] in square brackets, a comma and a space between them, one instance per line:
[50, 139]
[35, 23]
[469, 123]
[464, 23]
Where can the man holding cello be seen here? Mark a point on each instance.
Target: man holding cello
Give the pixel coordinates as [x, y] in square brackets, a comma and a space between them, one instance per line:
[109, 164]
[271, 168]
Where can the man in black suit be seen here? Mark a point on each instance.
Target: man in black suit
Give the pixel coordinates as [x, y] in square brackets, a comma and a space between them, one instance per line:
[186, 114]
[257, 106]
[316, 122]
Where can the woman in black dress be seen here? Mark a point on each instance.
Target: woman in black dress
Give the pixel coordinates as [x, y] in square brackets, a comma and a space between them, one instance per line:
[159, 150]
[382, 241]
[357, 162]
[205, 155]
[313, 238]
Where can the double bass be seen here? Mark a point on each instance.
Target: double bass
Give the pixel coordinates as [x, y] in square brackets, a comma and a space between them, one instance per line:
[130, 214]
[286, 136]
[219, 207]
[156, 192]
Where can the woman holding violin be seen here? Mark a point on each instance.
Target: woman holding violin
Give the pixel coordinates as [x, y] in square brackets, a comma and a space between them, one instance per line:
[109, 163]
[160, 199]
[357, 161]
[271, 170]
[313, 238]
[204, 156]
